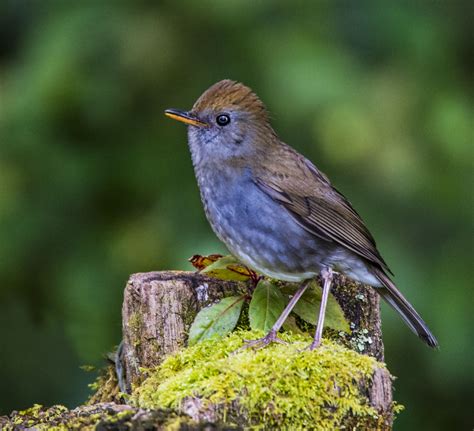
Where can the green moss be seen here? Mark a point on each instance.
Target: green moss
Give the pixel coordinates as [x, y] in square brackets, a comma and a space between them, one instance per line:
[188, 314]
[134, 324]
[286, 387]
[59, 418]
[103, 416]
[105, 387]
[279, 387]
[39, 418]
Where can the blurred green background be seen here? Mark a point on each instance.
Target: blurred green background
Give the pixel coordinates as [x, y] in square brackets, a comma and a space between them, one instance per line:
[95, 183]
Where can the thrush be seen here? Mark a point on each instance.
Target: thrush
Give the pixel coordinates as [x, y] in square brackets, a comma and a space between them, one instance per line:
[275, 210]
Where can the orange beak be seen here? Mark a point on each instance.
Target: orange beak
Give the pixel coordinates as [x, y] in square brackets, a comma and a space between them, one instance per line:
[185, 117]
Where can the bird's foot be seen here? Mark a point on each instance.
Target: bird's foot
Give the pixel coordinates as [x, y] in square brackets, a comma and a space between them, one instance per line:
[260, 343]
[313, 346]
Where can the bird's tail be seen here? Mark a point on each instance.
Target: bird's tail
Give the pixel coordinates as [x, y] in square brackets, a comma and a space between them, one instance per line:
[393, 296]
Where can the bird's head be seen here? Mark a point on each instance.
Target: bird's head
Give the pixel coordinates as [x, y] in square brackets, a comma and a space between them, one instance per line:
[228, 121]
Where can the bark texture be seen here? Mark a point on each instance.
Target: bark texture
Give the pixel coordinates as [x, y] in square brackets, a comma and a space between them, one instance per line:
[158, 310]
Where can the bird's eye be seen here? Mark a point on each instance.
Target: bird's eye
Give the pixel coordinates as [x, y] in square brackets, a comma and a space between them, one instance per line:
[223, 119]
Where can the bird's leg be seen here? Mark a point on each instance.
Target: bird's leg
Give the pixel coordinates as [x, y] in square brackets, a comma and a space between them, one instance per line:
[326, 275]
[272, 334]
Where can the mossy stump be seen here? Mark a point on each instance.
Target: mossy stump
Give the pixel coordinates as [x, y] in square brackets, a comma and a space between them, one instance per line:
[214, 385]
[159, 308]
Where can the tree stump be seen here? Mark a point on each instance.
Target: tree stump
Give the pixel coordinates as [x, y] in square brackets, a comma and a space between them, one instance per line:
[159, 308]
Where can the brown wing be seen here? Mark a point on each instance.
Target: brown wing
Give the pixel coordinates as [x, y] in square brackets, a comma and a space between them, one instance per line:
[322, 210]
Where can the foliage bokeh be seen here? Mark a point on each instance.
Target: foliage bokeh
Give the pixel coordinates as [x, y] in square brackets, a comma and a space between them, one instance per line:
[95, 183]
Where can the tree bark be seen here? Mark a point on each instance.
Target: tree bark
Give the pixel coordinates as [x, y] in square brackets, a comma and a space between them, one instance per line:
[158, 310]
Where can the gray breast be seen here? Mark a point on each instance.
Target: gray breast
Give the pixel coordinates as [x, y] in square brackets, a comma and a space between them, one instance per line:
[256, 229]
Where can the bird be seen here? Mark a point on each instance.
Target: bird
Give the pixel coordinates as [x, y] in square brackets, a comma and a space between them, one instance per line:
[275, 210]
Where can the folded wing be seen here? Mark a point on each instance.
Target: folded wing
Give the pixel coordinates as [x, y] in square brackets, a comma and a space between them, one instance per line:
[322, 211]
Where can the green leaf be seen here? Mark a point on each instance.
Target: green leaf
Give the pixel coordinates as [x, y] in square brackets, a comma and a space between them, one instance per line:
[291, 325]
[308, 309]
[218, 319]
[266, 305]
[228, 268]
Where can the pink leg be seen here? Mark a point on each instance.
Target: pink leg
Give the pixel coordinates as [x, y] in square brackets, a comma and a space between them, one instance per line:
[272, 335]
[326, 275]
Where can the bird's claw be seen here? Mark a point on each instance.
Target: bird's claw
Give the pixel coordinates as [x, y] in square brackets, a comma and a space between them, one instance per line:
[311, 347]
[260, 343]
